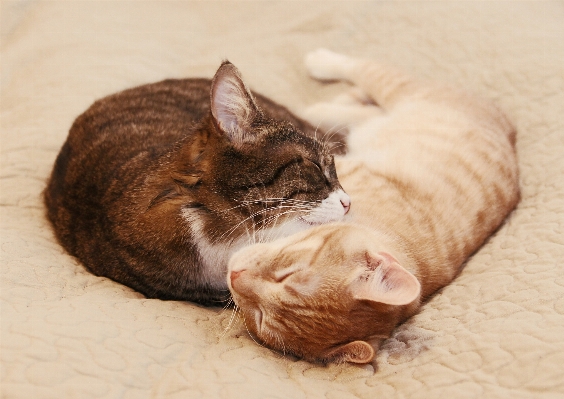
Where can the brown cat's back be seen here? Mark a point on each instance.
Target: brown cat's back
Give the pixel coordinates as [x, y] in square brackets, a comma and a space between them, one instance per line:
[152, 179]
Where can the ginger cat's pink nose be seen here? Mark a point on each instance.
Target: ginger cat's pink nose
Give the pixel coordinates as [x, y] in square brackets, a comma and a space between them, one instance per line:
[234, 274]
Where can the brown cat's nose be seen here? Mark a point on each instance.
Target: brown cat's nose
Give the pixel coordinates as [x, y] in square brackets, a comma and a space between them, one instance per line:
[234, 275]
[346, 202]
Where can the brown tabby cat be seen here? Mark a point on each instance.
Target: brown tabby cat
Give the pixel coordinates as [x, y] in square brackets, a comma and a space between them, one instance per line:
[433, 173]
[156, 186]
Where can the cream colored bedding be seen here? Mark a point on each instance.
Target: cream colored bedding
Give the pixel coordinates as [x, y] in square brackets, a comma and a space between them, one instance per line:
[496, 332]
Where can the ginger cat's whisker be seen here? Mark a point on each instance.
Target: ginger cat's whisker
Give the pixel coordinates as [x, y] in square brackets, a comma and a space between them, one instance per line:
[432, 172]
[234, 316]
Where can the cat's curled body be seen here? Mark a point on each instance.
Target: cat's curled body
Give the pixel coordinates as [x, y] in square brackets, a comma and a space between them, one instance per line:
[157, 185]
[432, 173]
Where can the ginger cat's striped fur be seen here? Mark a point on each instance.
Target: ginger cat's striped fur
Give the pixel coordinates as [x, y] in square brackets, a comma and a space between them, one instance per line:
[432, 173]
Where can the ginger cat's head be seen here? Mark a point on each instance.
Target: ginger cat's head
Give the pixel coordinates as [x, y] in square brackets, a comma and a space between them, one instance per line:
[323, 293]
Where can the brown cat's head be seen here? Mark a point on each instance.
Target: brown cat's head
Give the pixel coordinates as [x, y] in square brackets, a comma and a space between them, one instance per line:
[246, 174]
[323, 293]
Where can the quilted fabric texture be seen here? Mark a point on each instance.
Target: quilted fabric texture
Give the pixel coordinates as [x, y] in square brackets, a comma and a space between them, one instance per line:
[497, 331]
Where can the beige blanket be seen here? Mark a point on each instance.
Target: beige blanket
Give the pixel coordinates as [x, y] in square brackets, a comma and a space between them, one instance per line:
[496, 332]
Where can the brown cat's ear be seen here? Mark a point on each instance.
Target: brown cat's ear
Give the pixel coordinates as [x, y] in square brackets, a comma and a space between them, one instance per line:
[232, 105]
[384, 280]
[353, 352]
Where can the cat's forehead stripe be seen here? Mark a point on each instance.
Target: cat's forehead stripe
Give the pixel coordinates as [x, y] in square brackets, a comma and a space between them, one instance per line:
[327, 238]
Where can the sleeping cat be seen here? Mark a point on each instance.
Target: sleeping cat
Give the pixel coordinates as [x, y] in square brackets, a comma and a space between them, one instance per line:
[156, 186]
[432, 172]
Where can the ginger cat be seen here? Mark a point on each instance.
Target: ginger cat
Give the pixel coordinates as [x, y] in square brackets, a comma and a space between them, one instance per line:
[432, 173]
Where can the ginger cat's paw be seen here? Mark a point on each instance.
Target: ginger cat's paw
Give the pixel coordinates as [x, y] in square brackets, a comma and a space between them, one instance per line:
[354, 96]
[321, 114]
[324, 64]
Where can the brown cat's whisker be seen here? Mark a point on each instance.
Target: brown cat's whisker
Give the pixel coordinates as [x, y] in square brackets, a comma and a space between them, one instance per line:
[252, 216]
[280, 199]
[300, 207]
[331, 132]
[234, 228]
[271, 237]
[186, 160]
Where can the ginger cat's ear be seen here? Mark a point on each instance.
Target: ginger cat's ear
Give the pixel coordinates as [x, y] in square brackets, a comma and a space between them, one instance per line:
[384, 280]
[232, 105]
[353, 352]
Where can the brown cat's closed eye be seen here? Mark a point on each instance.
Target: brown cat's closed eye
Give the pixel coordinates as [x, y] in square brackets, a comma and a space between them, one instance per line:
[432, 172]
[156, 186]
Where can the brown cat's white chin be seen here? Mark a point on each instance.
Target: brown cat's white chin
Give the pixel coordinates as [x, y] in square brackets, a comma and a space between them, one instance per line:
[331, 209]
[308, 223]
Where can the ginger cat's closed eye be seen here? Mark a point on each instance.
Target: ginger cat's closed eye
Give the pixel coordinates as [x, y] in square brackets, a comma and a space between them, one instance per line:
[432, 172]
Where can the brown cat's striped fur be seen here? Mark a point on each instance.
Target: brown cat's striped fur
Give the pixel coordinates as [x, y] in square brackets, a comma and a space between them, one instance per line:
[156, 186]
[432, 173]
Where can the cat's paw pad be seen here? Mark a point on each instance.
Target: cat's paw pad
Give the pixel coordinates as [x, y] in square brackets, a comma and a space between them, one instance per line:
[325, 64]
